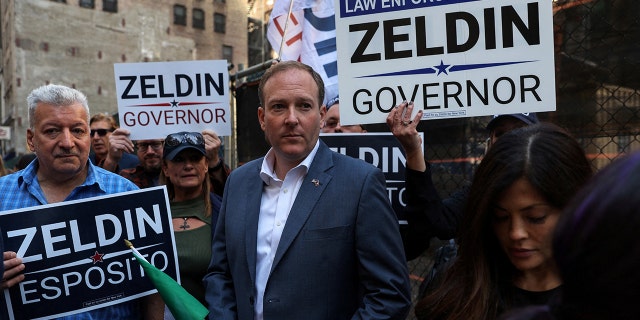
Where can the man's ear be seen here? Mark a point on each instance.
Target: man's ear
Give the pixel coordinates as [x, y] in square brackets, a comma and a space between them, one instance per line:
[323, 112]
[30, 135]
[261, 117]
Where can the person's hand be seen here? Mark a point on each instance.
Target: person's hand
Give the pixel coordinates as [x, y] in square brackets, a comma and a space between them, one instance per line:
[119, 143]
[212, 145]
[13, 267]
[404, 129]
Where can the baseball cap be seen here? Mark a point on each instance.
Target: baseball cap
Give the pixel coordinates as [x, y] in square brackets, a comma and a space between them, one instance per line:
[528, 118]
[177, 142]
[332, 101]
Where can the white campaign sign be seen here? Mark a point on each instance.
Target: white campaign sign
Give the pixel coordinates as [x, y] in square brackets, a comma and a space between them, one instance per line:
[455, 58]
[159, 98]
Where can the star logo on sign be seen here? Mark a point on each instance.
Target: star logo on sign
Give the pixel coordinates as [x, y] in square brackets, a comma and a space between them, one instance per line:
[97, 257]
[174, 103]
[442, 68]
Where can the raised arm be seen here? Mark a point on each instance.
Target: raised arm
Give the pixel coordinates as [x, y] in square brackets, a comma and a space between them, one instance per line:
[119, 143]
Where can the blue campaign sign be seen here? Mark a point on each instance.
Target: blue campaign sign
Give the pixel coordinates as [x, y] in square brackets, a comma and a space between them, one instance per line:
[381, 150]
[74, 252]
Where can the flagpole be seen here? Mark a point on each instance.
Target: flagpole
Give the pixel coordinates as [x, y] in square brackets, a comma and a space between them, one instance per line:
[130, 245]
[182, 304]
[284, 32]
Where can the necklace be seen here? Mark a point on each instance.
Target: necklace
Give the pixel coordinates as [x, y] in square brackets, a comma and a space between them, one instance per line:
[184, 225]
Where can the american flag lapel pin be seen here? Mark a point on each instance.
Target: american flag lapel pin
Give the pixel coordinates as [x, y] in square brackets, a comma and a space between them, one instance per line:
[315, 182]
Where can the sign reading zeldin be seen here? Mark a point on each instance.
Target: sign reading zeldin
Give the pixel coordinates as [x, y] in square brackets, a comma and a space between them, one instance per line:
[74, 255]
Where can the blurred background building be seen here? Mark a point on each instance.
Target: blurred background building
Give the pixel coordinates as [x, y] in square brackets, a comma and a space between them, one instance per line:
[76, 43]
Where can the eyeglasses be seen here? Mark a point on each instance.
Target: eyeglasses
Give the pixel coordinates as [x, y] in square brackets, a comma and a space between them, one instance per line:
[100, 132]
[155, 146]
[192, 138]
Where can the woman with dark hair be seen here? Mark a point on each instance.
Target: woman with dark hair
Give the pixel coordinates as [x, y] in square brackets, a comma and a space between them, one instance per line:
[596, 248]
[504, 257]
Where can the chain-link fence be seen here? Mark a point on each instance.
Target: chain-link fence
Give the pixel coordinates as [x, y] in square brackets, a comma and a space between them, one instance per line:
[598, 98]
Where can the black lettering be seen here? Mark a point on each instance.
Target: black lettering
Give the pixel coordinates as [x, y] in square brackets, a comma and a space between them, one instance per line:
[390, 38]
[532, 89]
[144, 86]
[484, 96]
[358, 54]
[189, 87]
[489, 28]
[421, 40]
[454, 95]
[161, 88]
[198, 85]
[413, 95]
[132, 81]
[427, 95]
[512, 88]
[393, 97]
[451, 29]
[367, 103]
[510, 18]
[210, 82]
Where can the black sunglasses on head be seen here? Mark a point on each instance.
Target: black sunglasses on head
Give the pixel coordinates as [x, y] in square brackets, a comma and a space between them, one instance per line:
[193, 138]
[100, 132]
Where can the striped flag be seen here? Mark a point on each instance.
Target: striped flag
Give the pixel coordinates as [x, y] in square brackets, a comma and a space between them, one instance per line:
[310, 37]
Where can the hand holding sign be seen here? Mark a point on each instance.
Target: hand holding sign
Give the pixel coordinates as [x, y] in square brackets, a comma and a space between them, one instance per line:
[13, 268]
[119, 143]
[212, 144]
[404, 129]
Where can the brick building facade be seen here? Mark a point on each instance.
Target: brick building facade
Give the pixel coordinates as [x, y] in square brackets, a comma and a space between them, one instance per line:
[76, 43]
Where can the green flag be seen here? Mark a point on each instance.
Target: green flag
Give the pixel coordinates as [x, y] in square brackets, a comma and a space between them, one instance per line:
[183, 305]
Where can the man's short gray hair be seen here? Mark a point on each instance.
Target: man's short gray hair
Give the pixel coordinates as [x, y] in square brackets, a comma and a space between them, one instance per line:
[55, 95]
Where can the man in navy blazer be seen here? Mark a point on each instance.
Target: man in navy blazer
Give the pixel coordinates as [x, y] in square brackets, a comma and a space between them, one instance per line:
[305, 233]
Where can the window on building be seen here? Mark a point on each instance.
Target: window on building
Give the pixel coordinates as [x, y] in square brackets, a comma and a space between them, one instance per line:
[88, 4]
[62, 1]
[219, 23]
[220, 1]
[227, 53]
[110, 5]
[198, 19]
[179, 15]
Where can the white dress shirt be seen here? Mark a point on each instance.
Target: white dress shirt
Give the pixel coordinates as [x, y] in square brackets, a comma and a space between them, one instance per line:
[277, 199]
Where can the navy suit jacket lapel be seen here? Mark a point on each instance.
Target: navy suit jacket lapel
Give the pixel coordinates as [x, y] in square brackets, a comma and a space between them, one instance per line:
[305, 200]
[253, 188]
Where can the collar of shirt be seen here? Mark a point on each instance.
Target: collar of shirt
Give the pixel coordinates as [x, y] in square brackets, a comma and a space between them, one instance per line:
[29, 176]
[267, 172]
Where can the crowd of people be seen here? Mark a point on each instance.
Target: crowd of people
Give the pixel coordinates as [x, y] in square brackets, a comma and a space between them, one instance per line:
[307, 233]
